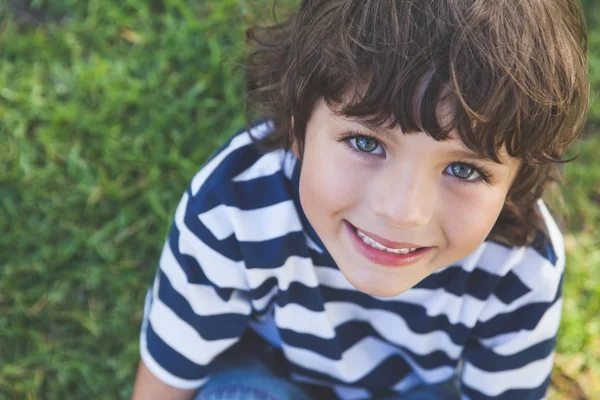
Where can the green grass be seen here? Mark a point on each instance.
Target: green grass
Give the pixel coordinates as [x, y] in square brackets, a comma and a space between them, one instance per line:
[107, 109]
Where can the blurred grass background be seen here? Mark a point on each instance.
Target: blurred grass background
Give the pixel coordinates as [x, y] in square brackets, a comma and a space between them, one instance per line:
[107, 109]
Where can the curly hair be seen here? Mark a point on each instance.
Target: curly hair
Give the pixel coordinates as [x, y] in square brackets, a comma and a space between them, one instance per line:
[515, 72]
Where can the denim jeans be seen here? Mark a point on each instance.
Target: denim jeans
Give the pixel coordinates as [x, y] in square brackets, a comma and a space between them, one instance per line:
[261, 375]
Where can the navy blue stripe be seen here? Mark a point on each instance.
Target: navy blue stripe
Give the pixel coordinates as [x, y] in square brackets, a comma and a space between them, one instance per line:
[524, 318]
[189, 265]
[258, 193]
[171, 360]
[294, 185]
[273, 253]
[510, 288]
[264, 288]
[543, 245]
[487, 360]
[210, 327]
[297, 293]
[322, 259]
[386, 374]
[418, 320]
[267, 308]
[350, 333]
[520, 394]
[457, 281]
[330, 348]
[218, 184]
[246, 195]
[252, 125]
[228, 247]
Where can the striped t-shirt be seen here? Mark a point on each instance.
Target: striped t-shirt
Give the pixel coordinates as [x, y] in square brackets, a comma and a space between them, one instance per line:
[241, 254]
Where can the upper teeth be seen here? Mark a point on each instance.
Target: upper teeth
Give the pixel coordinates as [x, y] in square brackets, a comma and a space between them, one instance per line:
[379, 246]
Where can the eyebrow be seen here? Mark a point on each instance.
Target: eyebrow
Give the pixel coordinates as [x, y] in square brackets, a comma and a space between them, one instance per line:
[468, 155]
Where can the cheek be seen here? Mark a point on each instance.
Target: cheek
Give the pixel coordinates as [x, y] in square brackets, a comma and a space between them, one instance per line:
[327, 184]
[469, 219]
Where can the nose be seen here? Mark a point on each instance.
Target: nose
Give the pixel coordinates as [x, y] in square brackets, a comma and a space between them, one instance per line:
[406, 199]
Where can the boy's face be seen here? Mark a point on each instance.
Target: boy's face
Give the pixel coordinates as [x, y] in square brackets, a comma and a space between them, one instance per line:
[403, 191]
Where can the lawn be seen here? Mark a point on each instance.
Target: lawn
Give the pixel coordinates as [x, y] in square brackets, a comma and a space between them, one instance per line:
[107, 109]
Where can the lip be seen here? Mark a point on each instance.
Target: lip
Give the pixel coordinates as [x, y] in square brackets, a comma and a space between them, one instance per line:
[388, 243]
[382, 257]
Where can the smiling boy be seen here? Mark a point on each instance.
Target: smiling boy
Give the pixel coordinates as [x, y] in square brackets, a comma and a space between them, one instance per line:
[368, 188]
[381, 235]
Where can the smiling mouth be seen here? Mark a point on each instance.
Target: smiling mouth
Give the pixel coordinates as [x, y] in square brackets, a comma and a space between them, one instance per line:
[386, 252]
[376, 245]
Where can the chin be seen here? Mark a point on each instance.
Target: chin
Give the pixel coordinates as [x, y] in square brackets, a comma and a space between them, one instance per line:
[376, 287]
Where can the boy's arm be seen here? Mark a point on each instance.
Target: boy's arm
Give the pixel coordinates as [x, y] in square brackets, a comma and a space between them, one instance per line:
[149, 387]
[512, 351]
[198, 306]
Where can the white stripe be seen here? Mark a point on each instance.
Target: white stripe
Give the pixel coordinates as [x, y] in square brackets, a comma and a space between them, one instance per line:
[492, 384]
[536, 273]
[295, 269]
[351, 393]
[407, 383]
[472, 260]
[311, 244]
[268, 164]
[333, 278]
[217, 221]
[435, 301]
[393, 328]
[241, 140]
[512, 343]
[498, 259]
[556, 236]
[356, 362]
[237, 142]
[289, 164]
[164, 375]
[261, 304]
[219, 269]
[182, 338]
[256, 225]
[262, 130]
[302, 320]
[203, 299]
[535, 269]
[265, 223]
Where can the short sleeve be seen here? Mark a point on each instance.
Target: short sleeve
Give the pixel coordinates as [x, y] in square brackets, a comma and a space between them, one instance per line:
[198, 305]
[511, 353]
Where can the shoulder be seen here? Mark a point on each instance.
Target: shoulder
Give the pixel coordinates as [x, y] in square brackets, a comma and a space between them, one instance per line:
[525, 276]
[234, 158]
[241, 185]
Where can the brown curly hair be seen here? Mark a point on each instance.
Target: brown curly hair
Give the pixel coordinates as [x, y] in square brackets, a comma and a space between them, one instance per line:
[514, 70]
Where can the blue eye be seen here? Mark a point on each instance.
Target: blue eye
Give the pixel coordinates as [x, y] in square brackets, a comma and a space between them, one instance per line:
[365, 144]
[463, 171]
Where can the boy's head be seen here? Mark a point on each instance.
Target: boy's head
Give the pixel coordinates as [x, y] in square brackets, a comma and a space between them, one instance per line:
[469, 103]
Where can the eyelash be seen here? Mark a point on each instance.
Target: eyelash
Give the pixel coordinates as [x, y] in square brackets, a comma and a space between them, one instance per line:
[348, 136]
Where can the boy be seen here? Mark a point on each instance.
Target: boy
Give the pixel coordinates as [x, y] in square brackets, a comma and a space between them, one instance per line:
[391, 242]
